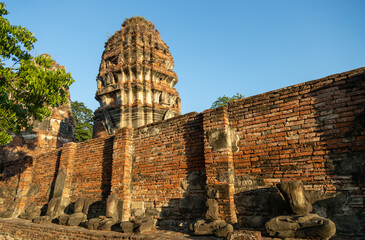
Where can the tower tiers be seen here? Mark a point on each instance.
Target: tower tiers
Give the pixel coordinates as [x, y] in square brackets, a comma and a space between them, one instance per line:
[135, 81]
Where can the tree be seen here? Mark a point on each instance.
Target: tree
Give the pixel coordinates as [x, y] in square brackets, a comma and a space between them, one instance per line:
[28, 86]
[223, 101]
[84, 121]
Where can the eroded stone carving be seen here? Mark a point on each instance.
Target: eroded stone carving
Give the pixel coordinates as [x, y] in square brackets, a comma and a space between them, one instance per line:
[212, 225]
[302, 224]
[295, 195]
[114, 212]
[108, 123]
[138, 64]
[59, 183]
[81, 208]
[221, 139]
[56, 207]
[31, 211]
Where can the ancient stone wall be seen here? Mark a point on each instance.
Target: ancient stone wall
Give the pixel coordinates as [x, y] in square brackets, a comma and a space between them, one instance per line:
[312, 132]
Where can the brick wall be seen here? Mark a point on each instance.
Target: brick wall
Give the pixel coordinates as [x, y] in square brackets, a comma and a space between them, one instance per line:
[92, 169]
[168, 166]
[312, 131]
[46, 168]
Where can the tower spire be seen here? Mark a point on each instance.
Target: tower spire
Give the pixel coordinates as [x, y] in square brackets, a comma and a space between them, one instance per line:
[135, 81]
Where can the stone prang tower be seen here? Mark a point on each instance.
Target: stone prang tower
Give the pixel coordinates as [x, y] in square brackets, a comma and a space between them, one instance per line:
[135, 81]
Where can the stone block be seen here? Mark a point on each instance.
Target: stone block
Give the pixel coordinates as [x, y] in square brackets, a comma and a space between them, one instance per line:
[76, 218]
[106, 224]
[152, 212]
[93, 223]
[114, 207]
[127, 227]
[56, 207]
[42, 219]
[146, 225]
[244, 235]
[137, 205]
[212, 209]
[59, 184]
[62, 220]
[224, 231]
[82, 205]
[203, 227]
[138, 212]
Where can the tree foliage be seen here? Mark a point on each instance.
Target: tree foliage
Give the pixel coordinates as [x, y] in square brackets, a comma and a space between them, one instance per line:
[223, 101]
[84, 121]
[28, 86]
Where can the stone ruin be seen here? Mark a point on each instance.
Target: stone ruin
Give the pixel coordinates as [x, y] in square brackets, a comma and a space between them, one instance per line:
[302, 224]
[53, 132]
[135, 81]
[225, 172]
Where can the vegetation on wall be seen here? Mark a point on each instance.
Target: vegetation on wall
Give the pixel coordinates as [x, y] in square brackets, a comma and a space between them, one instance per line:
[224, 100]
[29, 86]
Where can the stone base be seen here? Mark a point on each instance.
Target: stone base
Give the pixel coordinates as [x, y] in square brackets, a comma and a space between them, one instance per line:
[218, 227]
[301, 226]
[244, 235]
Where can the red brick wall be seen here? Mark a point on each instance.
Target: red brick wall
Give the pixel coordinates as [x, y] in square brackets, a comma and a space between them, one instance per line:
[312, 131]
[298, 131]
[92, 169]
[164, 155]
[46, 167]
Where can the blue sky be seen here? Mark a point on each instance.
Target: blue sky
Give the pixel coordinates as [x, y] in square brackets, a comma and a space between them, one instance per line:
[219, 47]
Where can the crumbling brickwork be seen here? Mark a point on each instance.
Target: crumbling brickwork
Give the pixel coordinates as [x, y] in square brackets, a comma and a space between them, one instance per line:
[313, 132]
[168, 171]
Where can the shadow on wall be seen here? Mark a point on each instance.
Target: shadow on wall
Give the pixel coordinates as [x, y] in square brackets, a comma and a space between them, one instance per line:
[19, 153]
[340, 118]
[51, 190]
[10, 177]
[337, 162]
[13, 159]
[107, 167]
[256, 207]
[178, 213]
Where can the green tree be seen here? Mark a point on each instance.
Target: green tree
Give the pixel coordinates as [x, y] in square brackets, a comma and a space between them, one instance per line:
[28, 86]
[84, 121]
[223, 101]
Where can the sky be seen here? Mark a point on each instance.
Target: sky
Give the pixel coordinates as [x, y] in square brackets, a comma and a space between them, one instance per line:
[219, 47]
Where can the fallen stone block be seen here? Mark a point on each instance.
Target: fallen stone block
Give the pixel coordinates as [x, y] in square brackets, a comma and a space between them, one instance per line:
[244, 235]
[76, 218]
[224, 231]
[127, 227]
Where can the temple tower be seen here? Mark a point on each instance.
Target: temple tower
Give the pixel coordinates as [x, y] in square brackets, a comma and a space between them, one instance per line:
[135, 81]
